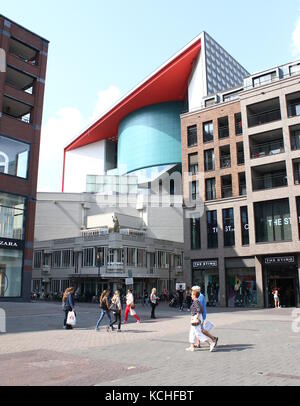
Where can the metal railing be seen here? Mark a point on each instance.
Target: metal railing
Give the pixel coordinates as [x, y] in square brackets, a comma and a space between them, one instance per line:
[226, 191]
[225, 161]
[223, 132]
[267, 148]
[294, 109]
[270, 181]
[264, 117]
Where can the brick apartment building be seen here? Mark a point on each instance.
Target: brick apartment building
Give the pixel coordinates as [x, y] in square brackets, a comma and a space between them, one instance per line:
[244, 146]
[22, 86]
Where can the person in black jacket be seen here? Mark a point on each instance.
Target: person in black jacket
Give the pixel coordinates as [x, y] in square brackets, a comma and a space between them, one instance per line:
[68, 305]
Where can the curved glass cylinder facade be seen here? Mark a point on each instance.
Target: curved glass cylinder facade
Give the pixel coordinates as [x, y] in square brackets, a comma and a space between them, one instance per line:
[150, 137]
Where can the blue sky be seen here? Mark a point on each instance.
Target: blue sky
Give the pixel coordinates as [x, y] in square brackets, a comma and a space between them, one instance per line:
[99, 50]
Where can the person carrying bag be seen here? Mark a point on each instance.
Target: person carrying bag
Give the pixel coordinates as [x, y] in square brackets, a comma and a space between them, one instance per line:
[69, 307]
[116, 309]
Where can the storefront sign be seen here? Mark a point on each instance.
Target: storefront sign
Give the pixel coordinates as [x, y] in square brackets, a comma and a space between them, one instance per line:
[11, 244]
[205, 264]
[129, 281]
[280, 260]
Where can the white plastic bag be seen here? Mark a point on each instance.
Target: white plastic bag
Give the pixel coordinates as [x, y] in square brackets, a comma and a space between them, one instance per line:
[132, 312]
[71, 321]
[208, 326]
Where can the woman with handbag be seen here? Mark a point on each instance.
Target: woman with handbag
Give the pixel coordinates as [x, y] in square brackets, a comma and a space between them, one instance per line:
[104, 306]
[116, 309]
[68, 305]
[130, 306]
[196, 334]
[154, 302]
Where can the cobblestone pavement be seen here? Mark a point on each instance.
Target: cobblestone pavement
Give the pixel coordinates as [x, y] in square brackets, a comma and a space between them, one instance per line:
[256, 347]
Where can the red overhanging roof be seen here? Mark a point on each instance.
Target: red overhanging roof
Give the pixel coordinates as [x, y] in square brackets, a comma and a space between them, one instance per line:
[167, 84]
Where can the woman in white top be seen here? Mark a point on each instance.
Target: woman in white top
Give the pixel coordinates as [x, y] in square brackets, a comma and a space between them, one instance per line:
[130, 306]
[116, 309]
[153, 302]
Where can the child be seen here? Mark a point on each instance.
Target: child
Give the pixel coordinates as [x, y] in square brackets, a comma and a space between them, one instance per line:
[196, 323]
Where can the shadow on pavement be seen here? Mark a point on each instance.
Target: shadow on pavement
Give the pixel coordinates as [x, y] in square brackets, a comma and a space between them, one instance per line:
[234, 347]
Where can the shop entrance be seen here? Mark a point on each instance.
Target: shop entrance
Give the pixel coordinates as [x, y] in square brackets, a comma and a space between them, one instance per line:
[281, 273]
[287, 291]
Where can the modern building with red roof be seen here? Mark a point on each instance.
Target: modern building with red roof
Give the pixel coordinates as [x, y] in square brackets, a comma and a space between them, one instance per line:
[141, 132]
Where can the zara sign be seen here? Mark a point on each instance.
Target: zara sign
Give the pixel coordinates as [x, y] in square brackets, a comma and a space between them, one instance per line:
[11, 244]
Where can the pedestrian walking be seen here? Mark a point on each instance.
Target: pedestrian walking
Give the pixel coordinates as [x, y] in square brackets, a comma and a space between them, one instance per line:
[68, 305]
[154, 302]
[196, 335]
[275, 294]
[104, 306]
[202, 301]
[180, 293]
[130, 306]
[165, 294]
[116, 309]
[188, 298]
[145, 298]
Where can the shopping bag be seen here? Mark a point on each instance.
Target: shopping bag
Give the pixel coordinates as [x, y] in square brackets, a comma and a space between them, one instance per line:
[132, 312]
[71, 321]
[208, 326]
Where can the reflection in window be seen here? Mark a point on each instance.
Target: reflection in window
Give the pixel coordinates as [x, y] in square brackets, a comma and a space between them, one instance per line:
[13, 157]
[12, 214]
[273, 221]
[212, 229]
[228, 227]
[195, 234]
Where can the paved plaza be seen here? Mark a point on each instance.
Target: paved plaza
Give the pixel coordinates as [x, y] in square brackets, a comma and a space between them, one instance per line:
[256, 347]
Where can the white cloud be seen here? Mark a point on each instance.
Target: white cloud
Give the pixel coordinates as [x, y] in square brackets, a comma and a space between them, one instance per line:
[106, 98]
[59, 131]
[296, 39]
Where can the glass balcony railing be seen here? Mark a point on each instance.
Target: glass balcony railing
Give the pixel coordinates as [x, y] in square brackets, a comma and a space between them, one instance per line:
[270, 181]
[264, 117]
[267, 148]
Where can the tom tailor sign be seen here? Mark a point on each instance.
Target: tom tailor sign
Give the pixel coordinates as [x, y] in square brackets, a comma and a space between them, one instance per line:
[11, 244]
[205, 264]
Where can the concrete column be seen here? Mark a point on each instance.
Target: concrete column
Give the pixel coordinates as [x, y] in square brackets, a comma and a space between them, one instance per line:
[187, 272]
[259, 282]
[222, 281]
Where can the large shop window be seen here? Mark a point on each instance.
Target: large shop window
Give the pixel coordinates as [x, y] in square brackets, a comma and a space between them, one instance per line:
[13, 157]
[245, 225]
[241, 287]
[273, 221]
[228, 227]
[12, 215]
[212, 229]
[195, 234]
[11, 263]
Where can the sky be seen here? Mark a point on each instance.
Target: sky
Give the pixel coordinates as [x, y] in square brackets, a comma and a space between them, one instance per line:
[99, 50]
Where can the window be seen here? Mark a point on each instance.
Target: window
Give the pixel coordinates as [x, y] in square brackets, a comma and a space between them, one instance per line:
[55, 286]
[298, 213]
[67, 259]
[295, 70]
[242, 184]
[264, 79]
[193, 163]
[194, 190]
[228, 228]
[210, 189]
[273, 221]
[141, 258]
[88, 257]
[56, 259]
[208, 131]
[212, 229]
[245, 225]
[192, 136]
[238, 124]
[37, 260]
[295, 140]
[209, 160]
[223, 127]
[100, 255]
[162, 259]
[131, 257]
[11, 265]
[195, 234]
[12, 216]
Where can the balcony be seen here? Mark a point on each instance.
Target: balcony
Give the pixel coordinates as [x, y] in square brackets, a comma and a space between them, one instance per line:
[23, 52]
[294, 109]
[19, 80]
[267, 149]
[269, 176]
[17, 110]
[264, 112]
